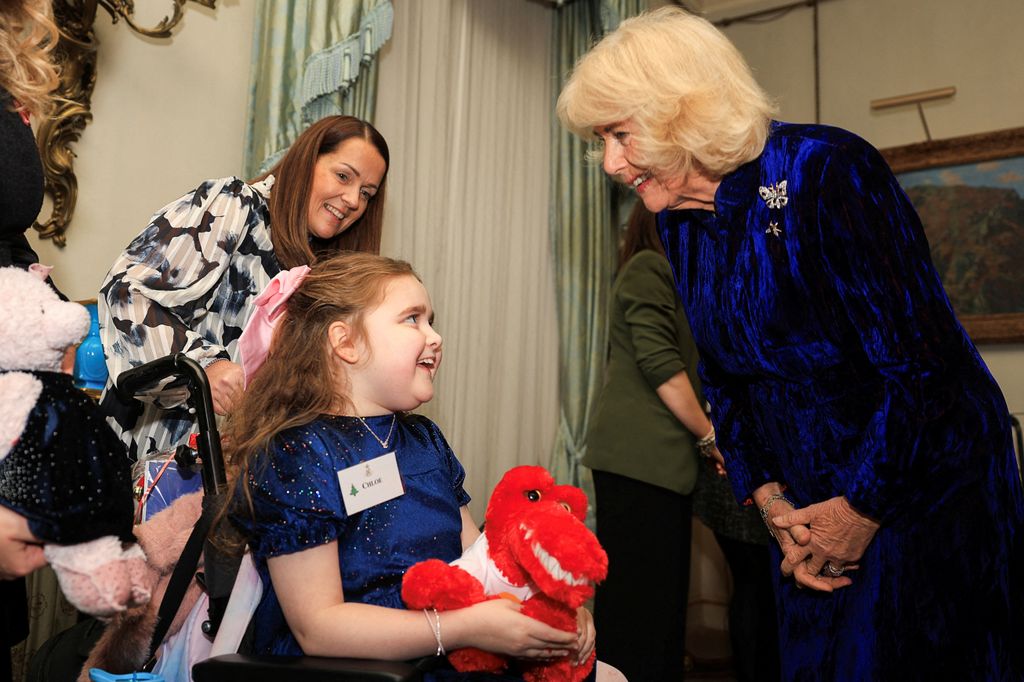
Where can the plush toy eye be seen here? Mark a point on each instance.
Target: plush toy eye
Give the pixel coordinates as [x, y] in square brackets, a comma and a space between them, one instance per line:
[532, 495]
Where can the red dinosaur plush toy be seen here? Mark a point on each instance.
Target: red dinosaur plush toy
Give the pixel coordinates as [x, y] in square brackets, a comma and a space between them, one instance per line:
[535, 548]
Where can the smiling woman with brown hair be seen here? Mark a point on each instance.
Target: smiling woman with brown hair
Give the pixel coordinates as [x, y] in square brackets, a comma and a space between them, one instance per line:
[187, 282]
[851, 407]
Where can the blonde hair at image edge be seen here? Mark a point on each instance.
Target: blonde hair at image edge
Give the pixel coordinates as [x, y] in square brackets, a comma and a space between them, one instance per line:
[688, 91]
[27, 37]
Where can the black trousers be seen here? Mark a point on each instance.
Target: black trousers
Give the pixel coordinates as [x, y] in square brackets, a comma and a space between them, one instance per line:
[13, 621]
[753, 624]
[640, 610]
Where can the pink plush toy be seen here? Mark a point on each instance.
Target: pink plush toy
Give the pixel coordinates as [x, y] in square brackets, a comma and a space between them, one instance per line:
[124, 645]
[536, 549]
[61, 466]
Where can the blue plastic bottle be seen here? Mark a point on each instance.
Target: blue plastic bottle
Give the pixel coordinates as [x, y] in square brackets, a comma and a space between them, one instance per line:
[90, 366]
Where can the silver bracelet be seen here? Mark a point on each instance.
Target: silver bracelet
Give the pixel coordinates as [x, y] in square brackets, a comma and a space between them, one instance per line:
[772, 499]
[435, 627]
[706, 444]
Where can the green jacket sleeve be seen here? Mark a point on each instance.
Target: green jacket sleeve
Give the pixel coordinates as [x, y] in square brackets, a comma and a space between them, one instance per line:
[648, 300]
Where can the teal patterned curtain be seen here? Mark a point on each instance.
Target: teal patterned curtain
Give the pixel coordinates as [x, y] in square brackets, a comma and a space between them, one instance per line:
[583, 243]
[310, 59]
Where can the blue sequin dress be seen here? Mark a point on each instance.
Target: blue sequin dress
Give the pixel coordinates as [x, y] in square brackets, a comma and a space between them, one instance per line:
[834, 364]
[298, 505]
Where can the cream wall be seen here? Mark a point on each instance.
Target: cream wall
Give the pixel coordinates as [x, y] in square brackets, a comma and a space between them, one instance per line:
[879, 48]
[166, 114]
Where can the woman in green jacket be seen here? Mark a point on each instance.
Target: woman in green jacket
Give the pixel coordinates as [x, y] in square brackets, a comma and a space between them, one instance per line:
[643, 446]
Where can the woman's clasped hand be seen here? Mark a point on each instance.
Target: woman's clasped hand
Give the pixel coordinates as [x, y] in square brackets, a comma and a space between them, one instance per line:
[823, 542]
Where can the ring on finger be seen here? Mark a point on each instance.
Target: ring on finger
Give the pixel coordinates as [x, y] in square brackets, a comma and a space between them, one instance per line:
[832, 570]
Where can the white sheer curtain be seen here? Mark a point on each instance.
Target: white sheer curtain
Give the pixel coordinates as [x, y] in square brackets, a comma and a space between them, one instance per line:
[464, 102]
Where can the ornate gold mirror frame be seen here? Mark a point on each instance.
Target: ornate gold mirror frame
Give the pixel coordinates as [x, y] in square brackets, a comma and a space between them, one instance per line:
[76, 56]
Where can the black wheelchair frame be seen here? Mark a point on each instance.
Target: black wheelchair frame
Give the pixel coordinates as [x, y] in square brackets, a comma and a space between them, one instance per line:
[220, 570]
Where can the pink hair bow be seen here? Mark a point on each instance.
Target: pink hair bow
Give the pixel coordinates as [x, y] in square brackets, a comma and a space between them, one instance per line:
[254, 343]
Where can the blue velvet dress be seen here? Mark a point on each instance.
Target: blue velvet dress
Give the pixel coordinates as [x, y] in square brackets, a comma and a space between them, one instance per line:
[834, 365]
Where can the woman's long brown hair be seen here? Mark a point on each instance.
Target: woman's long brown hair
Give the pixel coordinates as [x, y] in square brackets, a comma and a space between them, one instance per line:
[299, 381]
[293, 182]
[641, 234]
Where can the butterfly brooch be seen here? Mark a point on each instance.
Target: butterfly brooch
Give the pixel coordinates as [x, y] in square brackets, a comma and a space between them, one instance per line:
[774, 195]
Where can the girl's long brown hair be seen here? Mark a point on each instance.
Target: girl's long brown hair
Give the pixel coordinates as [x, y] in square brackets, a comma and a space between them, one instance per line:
[641, 234]
[298, 381]
[289, 197]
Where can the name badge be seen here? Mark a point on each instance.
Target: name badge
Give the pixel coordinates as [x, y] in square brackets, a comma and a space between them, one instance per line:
[369, 483]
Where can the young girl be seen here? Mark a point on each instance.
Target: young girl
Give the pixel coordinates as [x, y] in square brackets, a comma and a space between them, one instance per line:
[340, 489]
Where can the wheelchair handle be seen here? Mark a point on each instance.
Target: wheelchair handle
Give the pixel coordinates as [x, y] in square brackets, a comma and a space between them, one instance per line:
[133, 381]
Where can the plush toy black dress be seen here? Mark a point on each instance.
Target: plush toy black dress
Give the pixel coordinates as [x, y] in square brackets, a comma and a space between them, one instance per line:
[21, 197]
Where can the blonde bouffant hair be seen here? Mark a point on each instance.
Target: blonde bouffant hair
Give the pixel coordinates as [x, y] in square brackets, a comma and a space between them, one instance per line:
[27, 37]
[690, 95]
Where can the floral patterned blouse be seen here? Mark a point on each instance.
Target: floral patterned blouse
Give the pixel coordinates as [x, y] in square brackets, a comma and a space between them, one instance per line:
[184, 285]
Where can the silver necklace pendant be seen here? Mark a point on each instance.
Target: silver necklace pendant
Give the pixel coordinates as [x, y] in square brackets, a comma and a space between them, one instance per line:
[391, 430]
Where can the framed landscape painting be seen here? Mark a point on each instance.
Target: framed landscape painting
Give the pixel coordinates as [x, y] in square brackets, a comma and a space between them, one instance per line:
[969, 192]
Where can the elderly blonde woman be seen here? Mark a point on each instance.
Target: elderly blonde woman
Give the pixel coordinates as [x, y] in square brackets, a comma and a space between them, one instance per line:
[850, 404]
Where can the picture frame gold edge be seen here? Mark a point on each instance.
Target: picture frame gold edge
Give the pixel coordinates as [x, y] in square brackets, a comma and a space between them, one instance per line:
[1002, 328]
